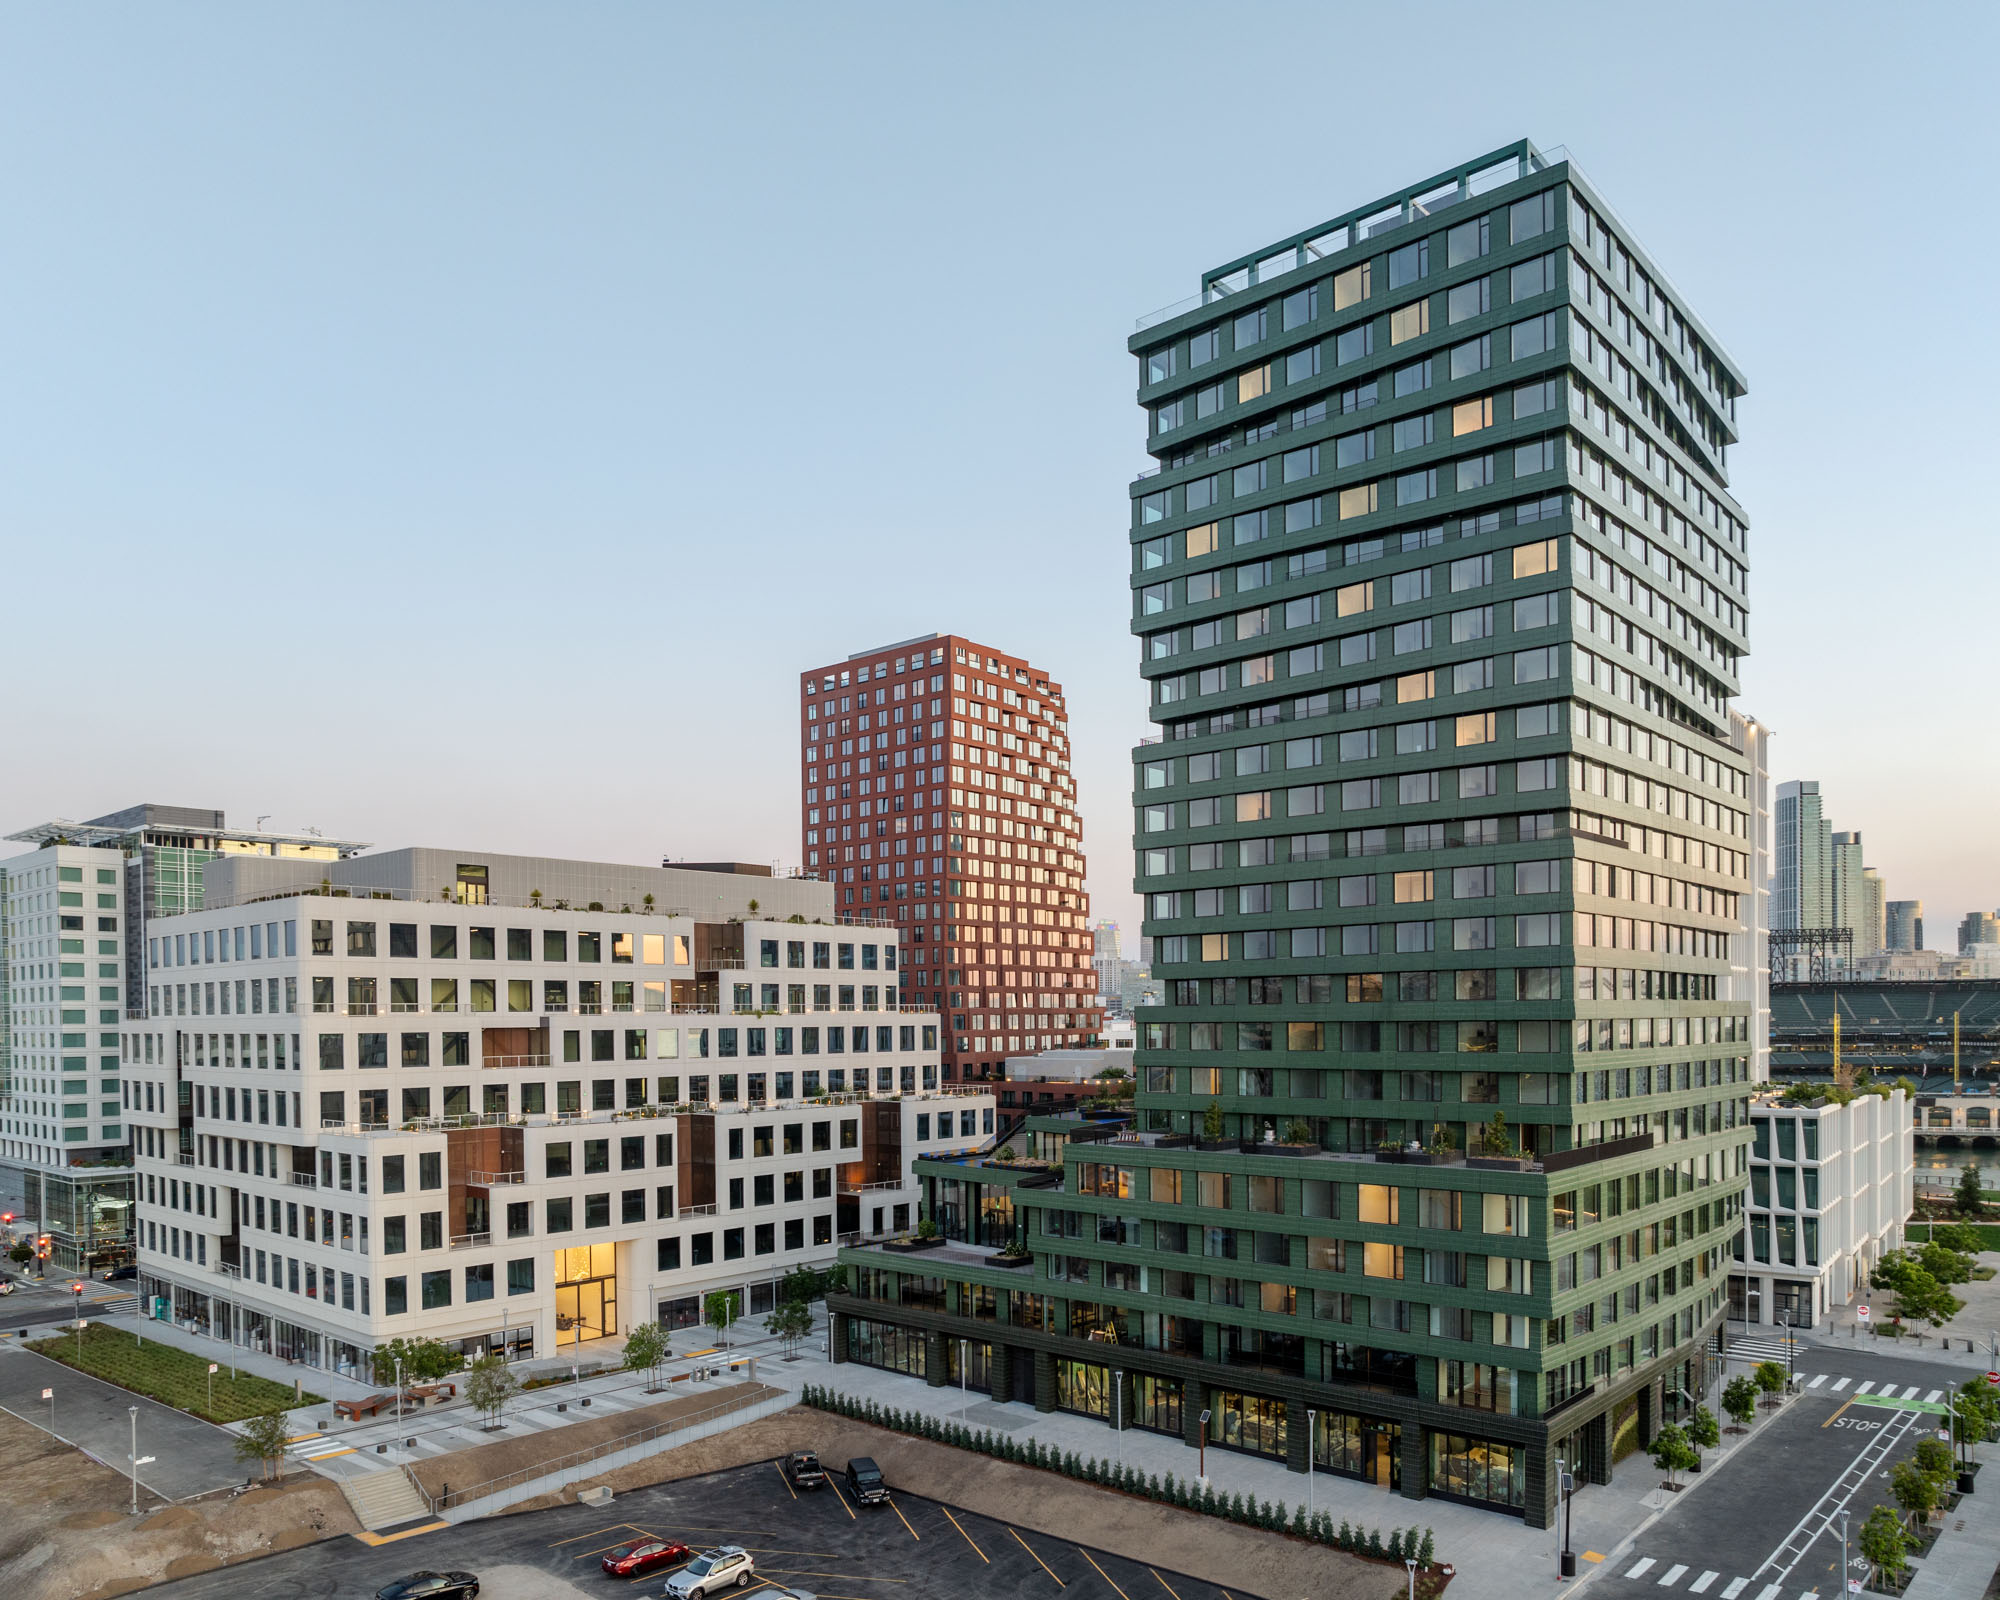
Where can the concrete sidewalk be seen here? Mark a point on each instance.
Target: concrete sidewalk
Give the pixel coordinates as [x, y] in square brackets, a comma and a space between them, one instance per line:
[190, 1456]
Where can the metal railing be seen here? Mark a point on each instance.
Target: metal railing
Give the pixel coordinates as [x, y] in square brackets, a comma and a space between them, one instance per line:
[470, 1241]
[303, 1180]
[565, 1464]
[488, 1179]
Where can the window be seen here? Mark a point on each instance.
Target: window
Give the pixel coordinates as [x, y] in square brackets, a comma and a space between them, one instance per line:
[1252, 326]
[1354, 344]
[1530, 217]
[1410, 322]
[1411, 433]
[1468, 241]
[1530, 278]
[1353, 286]
[1474, 356]
[1410, 263]
[1253, 384]
[1413, 379]
[1469, 416]
[1301, 308]
[1468, 300]
[1351, 449]
[1532, 337]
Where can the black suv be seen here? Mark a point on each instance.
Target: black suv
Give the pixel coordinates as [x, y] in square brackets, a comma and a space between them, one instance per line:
[864, 1482]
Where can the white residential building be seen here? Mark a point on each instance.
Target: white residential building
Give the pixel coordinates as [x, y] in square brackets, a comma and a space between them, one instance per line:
[1830, 1189]
[515, 1102]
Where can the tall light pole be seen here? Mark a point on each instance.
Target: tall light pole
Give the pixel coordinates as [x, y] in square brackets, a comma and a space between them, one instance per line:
[964, 1355]
[1565, 1483]
[1203, 1469]
[399, 1392]
[136, 1459]
[1118, 1411]
[1312, 1449]
[1842, 1514]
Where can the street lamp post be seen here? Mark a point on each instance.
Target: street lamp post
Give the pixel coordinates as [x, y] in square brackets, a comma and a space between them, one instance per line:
[1844, 1580]
[1565, 1486]
[136, 1459]
[964, 1355]
[1118, 1411]
[1312, 1449]
[1411, 1563]
[1203, 1469]
[399, 1392]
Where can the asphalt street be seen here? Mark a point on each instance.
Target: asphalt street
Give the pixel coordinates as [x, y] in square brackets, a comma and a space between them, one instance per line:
[190, 1456]
[818, 1541]
[1767, 1527]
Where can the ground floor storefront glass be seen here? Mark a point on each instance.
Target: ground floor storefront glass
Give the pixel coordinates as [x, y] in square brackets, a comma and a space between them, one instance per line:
[1156, 1404]
[1479, 1469]
[1359, 1447]
[884, 1345]
[1083, 1387]
[1248, 1422]
[974, 1370]
[586, 1293]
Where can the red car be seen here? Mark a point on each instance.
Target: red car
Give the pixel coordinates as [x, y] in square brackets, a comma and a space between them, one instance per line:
[635, 1560]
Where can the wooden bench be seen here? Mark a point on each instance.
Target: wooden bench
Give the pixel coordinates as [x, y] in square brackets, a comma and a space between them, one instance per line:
[355, 1410]
[430, 1393]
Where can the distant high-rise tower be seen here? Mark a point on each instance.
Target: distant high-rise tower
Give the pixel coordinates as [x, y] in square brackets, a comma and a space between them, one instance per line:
[1905, 929]
[1979, 927]
[1803, 894]
[937, 795]
[1849, 901]
[1871, 938]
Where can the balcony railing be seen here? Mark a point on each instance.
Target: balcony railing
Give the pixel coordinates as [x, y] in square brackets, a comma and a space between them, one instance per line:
[470, 1241]
[488, 1179]
[698, 1211]
[303, 1180]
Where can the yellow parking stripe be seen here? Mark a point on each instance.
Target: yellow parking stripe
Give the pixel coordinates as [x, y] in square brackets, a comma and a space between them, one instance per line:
[1023, 1543]
[905, 1521]
[787, 1482]
[968, 1537]
[842, 1499]
[407, 1533]
[1122, 1595]
[599, 1532]
[1164, 1584]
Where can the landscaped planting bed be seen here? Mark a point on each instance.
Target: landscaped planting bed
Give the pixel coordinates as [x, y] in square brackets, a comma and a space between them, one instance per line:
[167, 1373]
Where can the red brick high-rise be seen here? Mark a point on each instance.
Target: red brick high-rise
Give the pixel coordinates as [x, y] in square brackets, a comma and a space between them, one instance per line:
[937, 795]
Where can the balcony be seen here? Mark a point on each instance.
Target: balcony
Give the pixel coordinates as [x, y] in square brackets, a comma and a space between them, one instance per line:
[303, 1180]
[488, 1179]
[471, 1241]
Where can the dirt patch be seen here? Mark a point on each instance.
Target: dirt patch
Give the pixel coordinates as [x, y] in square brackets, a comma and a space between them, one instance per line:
[72, 1539]
[482, 1463]
[1221, 1553]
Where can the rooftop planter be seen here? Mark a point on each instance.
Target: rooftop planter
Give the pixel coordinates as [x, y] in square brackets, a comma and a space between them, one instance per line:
[1277, 1149]
[910, 1245]
[1024, 1259]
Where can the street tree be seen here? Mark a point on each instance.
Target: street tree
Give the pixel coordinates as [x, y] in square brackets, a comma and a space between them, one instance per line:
[1919, 1295]
[1769, 1377]
[424, 1360]
[791, 1322]
[1916, 1491]
[1673, 1455]
[720, 1311]
[489, 1384]
[1960, 1236]
[646, 1350]
[262, 1439]
[1703, 1431]
[1946, 1265]
[1739, 1399]
[1884, 1542]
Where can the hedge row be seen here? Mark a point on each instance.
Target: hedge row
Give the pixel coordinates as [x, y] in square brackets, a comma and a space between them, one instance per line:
[1186, 1493]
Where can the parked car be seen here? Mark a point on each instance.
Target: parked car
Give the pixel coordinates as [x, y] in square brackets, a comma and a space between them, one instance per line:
[712, 1570]
[865, 1482]
[430, 1586]
[119, 1274]
[643, 1556]
[803, 1471]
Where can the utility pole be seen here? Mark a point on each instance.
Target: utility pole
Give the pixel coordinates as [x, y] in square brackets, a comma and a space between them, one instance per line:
[1954, 1054]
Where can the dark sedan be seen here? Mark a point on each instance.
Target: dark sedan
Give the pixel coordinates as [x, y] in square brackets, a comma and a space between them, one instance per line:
[431, 1586]
[646, 1555]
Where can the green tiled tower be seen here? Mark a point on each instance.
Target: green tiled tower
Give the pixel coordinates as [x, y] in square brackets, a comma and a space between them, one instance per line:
[1440, 1137]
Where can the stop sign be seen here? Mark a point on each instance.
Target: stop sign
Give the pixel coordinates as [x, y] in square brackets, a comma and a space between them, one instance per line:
[1993, 1377]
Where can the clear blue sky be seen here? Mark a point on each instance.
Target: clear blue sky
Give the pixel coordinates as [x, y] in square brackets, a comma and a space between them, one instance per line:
[456, 424]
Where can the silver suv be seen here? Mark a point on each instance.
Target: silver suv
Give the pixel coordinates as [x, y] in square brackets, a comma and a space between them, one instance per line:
[712, 1570]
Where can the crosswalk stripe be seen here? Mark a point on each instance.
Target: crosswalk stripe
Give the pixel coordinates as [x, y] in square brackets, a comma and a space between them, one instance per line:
[1911, 1392]
[1736, 1587]
[1700, 1585]
[1818, 1381]
[1645, 1563]
[1844, 1382]
[1864, 1386]
[1769, 1592]
[1672, 1575]
[1933, 1397]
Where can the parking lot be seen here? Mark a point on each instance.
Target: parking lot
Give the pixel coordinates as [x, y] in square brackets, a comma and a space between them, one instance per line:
[819, 1541]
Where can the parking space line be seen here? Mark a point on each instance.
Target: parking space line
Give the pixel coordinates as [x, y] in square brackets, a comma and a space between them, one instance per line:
[1122, 1595]
[585, 1555]
[1162, 1582]
[1023, 1543]
[856, 1577]
[842, 1499]
[905, 1521]
[963, 1534]
[787, 1482]
[596, 1532]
